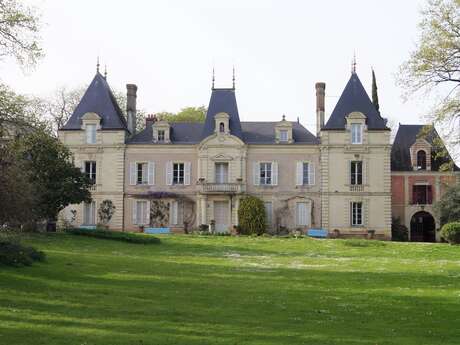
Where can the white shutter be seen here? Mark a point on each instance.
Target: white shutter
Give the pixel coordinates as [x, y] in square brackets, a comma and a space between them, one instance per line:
[311, 173]
[173, 213]
[82, 167]
[348, 181]
[256, 173]
[365, 171]
[299, 173]
[147, 213]
[187, 173]
[132, 173]
[134, 212]
[169, 173]
[274, 173]
[151, 173]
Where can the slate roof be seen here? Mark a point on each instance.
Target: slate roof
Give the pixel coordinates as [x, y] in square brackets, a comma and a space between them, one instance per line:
[222, 100]
[252, 133]
[355, 98]
[98, 98]
[405, 138]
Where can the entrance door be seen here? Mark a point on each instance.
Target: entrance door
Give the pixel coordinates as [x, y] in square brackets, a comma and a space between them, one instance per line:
[221, 216]
[422, 227]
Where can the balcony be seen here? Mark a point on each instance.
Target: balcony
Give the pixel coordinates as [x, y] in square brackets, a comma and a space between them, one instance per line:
[221, 188]
[356, 188]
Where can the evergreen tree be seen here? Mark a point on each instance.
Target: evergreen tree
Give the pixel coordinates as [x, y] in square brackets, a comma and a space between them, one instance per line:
[375, 96]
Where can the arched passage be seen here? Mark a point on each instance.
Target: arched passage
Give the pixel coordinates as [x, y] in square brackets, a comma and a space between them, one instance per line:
[422, 227]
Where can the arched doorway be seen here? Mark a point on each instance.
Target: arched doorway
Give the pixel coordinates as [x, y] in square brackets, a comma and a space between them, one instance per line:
[422, 227]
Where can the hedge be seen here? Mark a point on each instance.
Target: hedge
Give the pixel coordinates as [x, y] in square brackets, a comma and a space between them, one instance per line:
[116, 235]
[13, 253]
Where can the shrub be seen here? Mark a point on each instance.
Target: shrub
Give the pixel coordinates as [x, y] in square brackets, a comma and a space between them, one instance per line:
[13, 253]
[106, 211]
[251, 215]
[116, 235]
[399, 232]
[451, 232]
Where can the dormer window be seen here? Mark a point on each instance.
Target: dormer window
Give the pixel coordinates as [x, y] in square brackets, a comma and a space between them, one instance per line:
[283, 136]
[421, 160]
[356, 133]
[161, 135]
[91, 134]
[221, 124]
[222, 127]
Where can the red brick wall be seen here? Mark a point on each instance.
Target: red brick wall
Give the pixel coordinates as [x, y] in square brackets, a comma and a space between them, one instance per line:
[397, 190]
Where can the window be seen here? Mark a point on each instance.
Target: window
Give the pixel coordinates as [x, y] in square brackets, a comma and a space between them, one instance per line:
[221, 172]
[356, 170]
[176, 213]
[222, 127]
[422, 194]
[268, 213]
[284, 135]
[161, 135]
[90, 170]
[306, 173]
[356, 213]
[421, 160]
[91, 134]
[265, 173]
[302, 214]
[89, 213]
[356, 133]
[141, 173]
[142, 217]
[178, 173]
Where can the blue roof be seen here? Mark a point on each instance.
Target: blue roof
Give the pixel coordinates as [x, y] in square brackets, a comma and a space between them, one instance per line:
[355, 98]
[98, 99]
[222, 101]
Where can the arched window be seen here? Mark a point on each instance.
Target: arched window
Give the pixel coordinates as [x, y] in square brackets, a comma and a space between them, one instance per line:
[421, 160]
[221, 127]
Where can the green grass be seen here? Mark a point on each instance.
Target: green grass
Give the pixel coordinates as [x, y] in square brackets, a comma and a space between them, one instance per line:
[225, 290]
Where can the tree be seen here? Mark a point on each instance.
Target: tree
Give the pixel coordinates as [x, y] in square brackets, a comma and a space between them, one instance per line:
[448, 207]
[19, 32]
[251, 215]
[434, 65]
[375, 96]
[57, 182]
[188, 114]
[106, 211]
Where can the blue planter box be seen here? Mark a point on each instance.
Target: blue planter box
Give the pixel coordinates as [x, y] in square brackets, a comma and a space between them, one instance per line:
[157, 230]
[88, 227]
[317, 233]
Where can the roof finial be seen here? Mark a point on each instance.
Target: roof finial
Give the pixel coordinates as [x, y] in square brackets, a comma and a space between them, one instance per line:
[105, 72]
[233, 78]
[353, 64]
[213, 78]
[284, 117]
[97, 65]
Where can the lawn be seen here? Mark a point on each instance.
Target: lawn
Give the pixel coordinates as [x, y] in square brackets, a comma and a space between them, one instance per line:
[227, 290]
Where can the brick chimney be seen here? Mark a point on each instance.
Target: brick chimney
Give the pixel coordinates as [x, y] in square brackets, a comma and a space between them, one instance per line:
[131, 95]
[320, 94]
[150, 120]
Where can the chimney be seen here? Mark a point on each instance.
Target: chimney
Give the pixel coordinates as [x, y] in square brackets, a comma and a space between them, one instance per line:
[131, 90]
[150, 120]
[320, 94]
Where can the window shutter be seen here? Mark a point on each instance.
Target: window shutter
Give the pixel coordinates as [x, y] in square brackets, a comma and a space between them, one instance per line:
[173, 213]
[134, 212]
[169, 173]
[256, 173]
[147, 213]
[151, 173]
[311, 174]
[82, 167]
[132, 173]
[414, 195]
[365, 171]
[299, 173]
[348, 181]
[187, 173]
[429, 196]
[274, 173]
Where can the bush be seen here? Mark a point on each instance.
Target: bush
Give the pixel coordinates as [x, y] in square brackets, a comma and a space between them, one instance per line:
[451, 232]
[12, 253]
[251, 215]
[116, 235]
[399, 232]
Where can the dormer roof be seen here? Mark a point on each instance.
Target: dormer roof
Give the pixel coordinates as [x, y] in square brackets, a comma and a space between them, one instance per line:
[355, 99]
[99, 99]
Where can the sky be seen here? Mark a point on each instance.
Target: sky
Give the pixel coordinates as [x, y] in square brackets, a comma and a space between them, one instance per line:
[279, 49]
